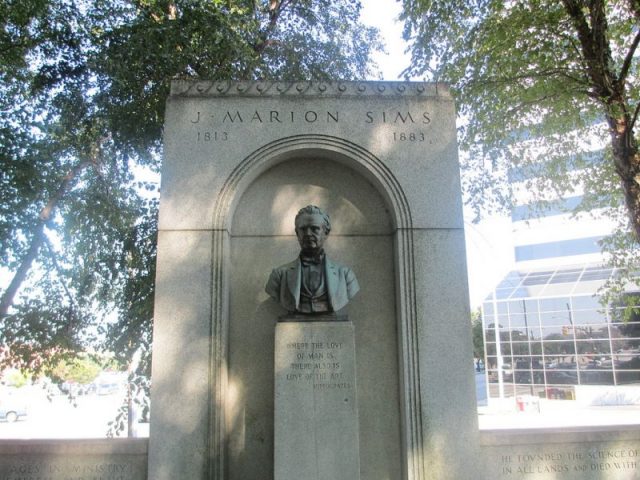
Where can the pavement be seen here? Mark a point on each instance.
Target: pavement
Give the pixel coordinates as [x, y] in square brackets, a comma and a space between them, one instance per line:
[543, 413]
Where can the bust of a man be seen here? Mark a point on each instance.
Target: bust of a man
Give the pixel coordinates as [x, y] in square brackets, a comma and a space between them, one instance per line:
[312, 283]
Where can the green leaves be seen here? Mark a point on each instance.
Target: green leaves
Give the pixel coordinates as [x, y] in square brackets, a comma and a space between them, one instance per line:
[521, 68]
[83, 86]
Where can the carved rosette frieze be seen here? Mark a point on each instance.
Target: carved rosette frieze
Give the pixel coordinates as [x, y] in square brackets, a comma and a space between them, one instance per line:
[203, 88]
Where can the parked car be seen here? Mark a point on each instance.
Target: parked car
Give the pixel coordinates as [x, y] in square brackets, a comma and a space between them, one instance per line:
[12, 409]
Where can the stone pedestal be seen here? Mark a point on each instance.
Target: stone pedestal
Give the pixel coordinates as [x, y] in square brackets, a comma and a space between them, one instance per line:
[316, 413]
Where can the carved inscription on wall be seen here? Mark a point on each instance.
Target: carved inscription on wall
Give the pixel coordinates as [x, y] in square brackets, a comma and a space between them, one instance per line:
[586, 461]
[219, 126]
[69, 470]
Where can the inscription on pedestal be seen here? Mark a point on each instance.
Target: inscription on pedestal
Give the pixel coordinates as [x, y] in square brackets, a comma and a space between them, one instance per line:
[318, 363]
[316, 414]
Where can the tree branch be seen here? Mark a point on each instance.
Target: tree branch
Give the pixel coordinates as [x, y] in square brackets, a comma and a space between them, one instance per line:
[595, 48]
[38, 237]
[21, 273]
[628, 59]
[56, 265]
[275, 11]
[635, 117]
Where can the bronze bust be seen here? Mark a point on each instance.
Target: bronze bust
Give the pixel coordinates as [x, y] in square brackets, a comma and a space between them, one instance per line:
[312, 283]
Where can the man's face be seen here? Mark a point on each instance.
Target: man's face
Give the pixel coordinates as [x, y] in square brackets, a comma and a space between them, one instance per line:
[310, 232]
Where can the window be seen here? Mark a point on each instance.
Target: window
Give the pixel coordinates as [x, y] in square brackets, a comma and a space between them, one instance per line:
[563, 248]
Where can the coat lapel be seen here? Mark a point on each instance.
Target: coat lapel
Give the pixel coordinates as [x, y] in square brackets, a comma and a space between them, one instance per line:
[294, 280]
[331, 277]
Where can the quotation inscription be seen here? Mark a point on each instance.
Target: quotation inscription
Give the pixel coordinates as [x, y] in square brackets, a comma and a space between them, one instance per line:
[66, 471]
[216, 127]
[612, 460]
[318, 363]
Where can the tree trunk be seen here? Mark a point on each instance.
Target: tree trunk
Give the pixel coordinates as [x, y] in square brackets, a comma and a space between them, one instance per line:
[608, 87]
[627, 163]
[37, 238]
[21, 273]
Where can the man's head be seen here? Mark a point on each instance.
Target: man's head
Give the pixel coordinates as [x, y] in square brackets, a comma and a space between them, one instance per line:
[312, 228]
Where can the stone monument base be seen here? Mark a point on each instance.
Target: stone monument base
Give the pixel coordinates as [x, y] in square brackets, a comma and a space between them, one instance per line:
[104, 459]
[316, 412]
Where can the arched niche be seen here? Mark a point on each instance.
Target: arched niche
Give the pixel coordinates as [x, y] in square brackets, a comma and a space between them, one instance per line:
[371, 233]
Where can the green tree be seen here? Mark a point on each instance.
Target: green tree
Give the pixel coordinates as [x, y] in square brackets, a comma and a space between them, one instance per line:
[533, 81]
[82, 92]
[477, 334]
[81, 370]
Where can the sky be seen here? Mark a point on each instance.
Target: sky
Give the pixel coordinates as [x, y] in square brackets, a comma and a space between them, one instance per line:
[385, 19]
[490, 242]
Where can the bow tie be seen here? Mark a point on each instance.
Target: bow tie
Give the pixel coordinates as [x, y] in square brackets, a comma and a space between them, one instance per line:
[312, 260]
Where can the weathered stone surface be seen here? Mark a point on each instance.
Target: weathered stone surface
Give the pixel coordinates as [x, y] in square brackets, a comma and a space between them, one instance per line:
[240, 160]
[411, 131]
[114, 459]
[316, 411]
[182, 340]
[571, 454]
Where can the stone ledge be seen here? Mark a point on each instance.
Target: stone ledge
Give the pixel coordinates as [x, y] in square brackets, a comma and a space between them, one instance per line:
[100, 446]
[565, 435]
[206, 88]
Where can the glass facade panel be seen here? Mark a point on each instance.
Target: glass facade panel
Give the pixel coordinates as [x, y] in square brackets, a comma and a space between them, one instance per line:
[584, 317]
[587, 288]
[555, 318]
[561, 248]
[592, 331]
[625, 346]
[492, 361]
[629, 372]
[595, 275]
[532, 306]
[592, 362]
[557, 289]
[519, 349]
[525, 320]
[560, 304]
[512, 280]
[585, 302]
[521, 334]
[536, 279]
[503, 293]
[555, 334]
[625, 330]
[595, 347]
[527, 362]
[565, 277]
[516, 307]
[562, 377]
[559, 347]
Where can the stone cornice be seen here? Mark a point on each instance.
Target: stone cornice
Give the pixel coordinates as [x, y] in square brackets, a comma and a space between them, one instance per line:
[203, 88]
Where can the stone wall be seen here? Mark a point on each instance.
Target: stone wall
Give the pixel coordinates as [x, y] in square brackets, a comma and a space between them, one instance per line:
[103, 459]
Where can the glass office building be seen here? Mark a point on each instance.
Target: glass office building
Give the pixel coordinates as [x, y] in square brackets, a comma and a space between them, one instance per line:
[556, 335]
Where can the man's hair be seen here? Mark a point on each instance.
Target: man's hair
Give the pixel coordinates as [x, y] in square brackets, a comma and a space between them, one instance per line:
[313, 210]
